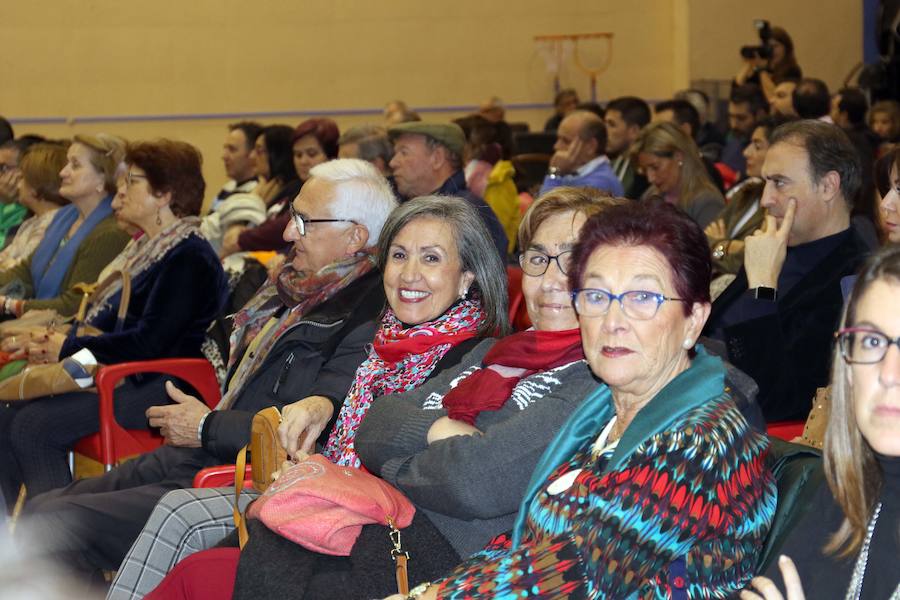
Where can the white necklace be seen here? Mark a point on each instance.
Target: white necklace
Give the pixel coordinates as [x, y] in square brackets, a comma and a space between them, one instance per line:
[859, 571]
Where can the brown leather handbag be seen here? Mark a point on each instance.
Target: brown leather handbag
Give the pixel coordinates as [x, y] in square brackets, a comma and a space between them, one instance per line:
[266, 457]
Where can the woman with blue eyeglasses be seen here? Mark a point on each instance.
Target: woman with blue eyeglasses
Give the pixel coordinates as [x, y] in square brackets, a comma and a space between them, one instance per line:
[655, 486]
[847, 544]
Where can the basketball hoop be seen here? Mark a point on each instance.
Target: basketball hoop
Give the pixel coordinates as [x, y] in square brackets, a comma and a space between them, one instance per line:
[556, 49]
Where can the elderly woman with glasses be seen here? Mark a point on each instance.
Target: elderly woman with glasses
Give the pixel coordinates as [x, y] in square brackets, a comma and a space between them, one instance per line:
[655, 486]
[847, 543]
[177, 289]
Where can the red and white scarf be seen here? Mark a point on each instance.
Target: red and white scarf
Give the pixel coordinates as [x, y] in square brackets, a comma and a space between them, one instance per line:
[509, 361]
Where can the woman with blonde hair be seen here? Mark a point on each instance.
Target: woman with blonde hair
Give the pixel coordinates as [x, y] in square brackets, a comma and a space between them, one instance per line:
[671, 162]
[82, 238]
[849, 538]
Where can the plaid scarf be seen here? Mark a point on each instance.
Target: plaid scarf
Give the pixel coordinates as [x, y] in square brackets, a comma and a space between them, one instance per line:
[296, 290]
[400, 360]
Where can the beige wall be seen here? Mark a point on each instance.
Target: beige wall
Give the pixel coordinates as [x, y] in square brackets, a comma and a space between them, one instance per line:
[827, 35]
[168, 57]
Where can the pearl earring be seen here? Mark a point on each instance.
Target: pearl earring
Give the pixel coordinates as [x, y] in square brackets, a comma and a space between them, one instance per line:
[687, 344]
[464, 293]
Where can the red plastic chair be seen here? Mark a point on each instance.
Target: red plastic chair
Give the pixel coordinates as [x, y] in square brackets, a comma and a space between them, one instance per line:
[786, 430]
[221, 476]
[518, 312]
[113, 442]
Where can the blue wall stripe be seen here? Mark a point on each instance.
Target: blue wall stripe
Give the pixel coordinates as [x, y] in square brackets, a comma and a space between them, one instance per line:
[254, 115]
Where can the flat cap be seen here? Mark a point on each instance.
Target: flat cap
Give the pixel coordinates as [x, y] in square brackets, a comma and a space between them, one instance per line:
[447, 134]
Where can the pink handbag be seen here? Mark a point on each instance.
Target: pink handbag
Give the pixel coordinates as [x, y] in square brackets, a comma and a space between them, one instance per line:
[323, 506]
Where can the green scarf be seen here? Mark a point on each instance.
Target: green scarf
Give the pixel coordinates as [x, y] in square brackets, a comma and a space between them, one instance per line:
[11, 215]
[701, 383]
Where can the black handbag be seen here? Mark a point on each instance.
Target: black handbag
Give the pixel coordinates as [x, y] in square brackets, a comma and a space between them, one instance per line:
[271, 566]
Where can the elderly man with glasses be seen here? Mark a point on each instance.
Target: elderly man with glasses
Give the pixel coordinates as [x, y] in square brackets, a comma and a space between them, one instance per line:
[303, 335]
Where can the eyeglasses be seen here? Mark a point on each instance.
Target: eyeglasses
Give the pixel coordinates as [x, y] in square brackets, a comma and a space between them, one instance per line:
[535, 263]
[131, 178]
[861, 345]
[300, 221]
[636, 304]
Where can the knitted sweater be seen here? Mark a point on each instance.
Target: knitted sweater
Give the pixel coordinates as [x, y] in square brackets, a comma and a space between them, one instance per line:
[455, 481]
[695, 494]
[96, 250]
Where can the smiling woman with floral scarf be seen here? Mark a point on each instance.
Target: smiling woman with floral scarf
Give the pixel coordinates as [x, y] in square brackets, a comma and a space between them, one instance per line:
[446, 290]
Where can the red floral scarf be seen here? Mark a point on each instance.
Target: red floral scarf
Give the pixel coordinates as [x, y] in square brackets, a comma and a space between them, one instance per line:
[401, 360]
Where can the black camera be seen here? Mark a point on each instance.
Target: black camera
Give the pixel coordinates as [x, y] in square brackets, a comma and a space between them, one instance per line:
[764, 50]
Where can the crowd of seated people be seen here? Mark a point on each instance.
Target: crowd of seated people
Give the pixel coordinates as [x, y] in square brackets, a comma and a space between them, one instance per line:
[687, 287]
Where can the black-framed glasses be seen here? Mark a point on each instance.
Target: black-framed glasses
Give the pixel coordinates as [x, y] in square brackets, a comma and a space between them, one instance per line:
[864, 345]
[300, 221]
[131, 178]
[640, 305]
[535, 263]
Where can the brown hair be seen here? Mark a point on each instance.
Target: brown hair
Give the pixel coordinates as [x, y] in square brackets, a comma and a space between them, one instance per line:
[892, 109]
[171, 167]
[851, 468]
[107, 152]
[40, 168]
[586, 200]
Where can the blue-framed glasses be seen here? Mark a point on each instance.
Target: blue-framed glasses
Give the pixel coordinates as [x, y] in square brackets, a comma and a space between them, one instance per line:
[636, 304]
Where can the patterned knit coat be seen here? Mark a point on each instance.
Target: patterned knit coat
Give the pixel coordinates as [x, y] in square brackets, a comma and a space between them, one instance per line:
[685, 511]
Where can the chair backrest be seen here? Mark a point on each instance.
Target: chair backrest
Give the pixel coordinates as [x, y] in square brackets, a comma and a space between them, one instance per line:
[536, 142]
[798, 474]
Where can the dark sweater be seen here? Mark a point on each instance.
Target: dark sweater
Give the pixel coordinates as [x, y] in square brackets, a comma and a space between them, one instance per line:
[827, 576]
[455, 481]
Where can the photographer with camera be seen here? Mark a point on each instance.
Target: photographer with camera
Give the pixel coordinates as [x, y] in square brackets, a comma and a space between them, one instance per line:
[769, 63]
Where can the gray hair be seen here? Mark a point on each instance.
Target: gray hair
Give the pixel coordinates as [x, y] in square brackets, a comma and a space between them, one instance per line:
[454, 159]
[362, 194]
[372, 142]
[477, 252]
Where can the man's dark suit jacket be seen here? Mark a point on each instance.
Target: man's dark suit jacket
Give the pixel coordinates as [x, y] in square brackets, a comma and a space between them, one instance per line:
[788, 352]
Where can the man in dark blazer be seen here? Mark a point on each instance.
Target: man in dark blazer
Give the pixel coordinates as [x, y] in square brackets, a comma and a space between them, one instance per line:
[778, 316]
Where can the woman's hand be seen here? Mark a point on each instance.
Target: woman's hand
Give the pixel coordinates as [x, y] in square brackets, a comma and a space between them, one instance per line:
[44, 348]
[15, 345]
[266, 189]
[302, 422]
[715, 231]
[446, 427]
[230, 243]
[770, 591]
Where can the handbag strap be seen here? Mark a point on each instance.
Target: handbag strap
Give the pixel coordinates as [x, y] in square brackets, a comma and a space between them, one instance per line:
[91, 290]
[400, 558]
[239, 522]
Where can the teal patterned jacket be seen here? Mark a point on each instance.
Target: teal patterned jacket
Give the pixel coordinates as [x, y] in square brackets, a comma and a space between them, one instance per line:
[680, 508]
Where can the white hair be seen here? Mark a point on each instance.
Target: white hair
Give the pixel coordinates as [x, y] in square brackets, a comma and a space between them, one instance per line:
[362, 193]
